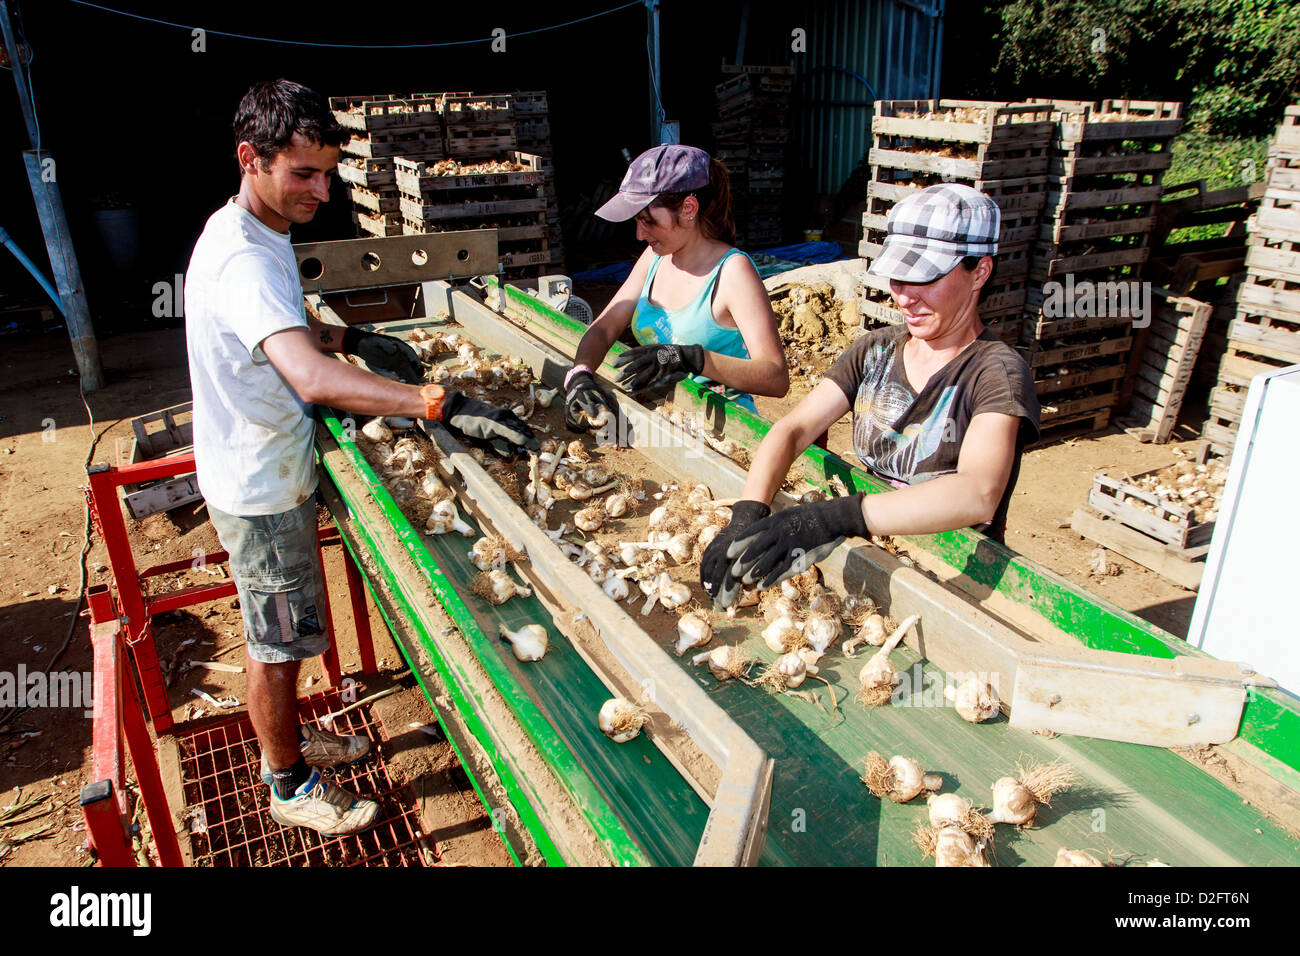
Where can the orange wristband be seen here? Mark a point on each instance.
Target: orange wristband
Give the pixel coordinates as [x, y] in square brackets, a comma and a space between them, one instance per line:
[433, 396]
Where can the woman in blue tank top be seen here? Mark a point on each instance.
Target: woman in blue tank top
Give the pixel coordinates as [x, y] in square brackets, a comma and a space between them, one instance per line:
[694, 303]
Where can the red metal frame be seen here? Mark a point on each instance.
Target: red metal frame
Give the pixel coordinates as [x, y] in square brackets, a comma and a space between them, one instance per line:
[119, 716]
[122, 617]
[137, 607]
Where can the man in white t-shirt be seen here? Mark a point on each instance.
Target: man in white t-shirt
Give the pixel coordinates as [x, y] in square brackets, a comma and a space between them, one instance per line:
[257, 365]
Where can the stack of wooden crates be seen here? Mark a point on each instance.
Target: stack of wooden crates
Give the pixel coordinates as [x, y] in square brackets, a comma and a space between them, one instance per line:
[533, 128]
[1104, 180]
[383, 127]
[437, 162]
[1265, 335]
[1000, 149]
[751, 138]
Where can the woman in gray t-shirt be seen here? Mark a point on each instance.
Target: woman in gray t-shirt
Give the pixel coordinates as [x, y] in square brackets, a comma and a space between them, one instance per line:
[941, 409]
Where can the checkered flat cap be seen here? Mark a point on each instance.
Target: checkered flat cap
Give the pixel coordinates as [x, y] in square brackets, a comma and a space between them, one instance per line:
[933, 229]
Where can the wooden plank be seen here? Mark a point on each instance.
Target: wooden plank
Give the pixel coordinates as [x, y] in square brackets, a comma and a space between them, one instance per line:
[503, 207]
[1137, 547]
[1058, 383]
[1072, 353]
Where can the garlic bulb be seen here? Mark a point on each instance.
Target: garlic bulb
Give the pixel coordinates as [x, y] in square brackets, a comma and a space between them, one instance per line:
[900, 778]
[873, 630]
[974, 700]
[498, 587]
[615, 587]
[692, 631]
[1016, 801]
[576, 449]
[782, 635]
[537, 514]
[590, 519]
[672, 594]
[595, 475]
[402, 489]
[681, 547]
[545, 396]
[878, 677]
[955, 847]
[529, 643]
[1066, 857]
[599, 571]
[432, 487]
[376, 430]
[620, 720]
[617, 505]
[948, 809]
[444, 518]
[792, 668]
[707, 534]
[781, 607]
[819, 631]
[441, 375]
[630, 554]
[488, 553]
[725, 663]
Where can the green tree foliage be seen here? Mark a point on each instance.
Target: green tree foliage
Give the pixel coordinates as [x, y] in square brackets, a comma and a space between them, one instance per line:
[1236, 62]
[1243, 57]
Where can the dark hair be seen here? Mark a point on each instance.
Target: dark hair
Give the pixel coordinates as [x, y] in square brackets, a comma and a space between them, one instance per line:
[970, 262]
[716, 221]
[272, 111]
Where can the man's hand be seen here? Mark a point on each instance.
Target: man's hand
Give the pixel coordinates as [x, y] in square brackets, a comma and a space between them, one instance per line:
[644, 365]
[792, 541]
[714, 563]
[384, 353]
[484, 422]
[584, 397]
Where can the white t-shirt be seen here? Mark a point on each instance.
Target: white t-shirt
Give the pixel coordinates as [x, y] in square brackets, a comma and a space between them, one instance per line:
[252, 433]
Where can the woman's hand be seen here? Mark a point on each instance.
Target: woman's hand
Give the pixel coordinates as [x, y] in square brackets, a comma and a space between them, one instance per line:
[791, 541]
[642, 366]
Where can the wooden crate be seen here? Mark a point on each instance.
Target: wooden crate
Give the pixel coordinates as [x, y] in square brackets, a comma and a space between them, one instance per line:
[492, 111]
[416, 180]
[374, 200]
[411, 143]
[378, 112]
[1172, 523]
[530, 103]
[384, 224]
[963, 121]
[480, 142]
[1080, 121]
[416, 211]
[367, 173]
[1177, 328]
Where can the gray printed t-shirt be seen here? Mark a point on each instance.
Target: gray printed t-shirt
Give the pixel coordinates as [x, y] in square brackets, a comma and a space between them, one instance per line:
[900, 435]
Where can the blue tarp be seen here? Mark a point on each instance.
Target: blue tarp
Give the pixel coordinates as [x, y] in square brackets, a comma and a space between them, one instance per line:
[769, 261]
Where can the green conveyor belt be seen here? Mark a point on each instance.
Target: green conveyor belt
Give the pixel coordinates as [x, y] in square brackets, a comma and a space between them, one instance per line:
[1134, 803]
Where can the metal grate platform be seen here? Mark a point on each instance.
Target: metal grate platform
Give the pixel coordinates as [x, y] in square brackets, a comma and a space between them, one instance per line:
[224, 792]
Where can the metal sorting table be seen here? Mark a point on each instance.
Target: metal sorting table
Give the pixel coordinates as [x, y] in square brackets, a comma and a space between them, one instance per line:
[562, 793]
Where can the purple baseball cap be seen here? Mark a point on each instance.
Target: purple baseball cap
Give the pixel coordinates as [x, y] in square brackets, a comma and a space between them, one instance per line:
[671, 168]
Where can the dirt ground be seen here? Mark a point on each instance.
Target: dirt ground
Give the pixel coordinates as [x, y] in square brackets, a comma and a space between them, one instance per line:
[45, 442]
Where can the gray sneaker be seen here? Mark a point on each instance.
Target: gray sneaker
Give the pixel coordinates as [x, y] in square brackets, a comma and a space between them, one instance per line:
[320, 748]
[324, 807]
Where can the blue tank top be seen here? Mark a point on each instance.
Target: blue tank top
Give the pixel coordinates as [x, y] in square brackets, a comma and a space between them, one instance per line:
[693, 324]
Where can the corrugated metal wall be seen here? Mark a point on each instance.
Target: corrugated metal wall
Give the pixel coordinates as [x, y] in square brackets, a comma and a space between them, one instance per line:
[891, 44]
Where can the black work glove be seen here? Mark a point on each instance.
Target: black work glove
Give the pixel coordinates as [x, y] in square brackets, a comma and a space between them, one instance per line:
[584, 396]
[714, 563]
[644, 365]
[384, 352]
[485, 423]
[792, 541]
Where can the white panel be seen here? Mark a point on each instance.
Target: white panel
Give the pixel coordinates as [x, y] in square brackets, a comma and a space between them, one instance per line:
[1248, 608]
